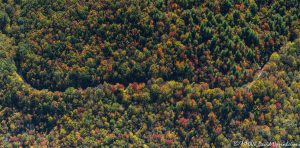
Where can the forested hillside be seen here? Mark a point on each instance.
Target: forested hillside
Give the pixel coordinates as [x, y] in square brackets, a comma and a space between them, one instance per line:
[155, 73]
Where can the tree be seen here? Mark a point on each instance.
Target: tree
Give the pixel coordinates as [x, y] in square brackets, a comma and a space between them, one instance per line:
[4, 20]
[253, 8]
[251, 38]
[226, 6]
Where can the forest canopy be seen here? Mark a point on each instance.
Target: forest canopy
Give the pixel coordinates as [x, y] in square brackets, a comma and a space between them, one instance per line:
[155, 73]
[81, 44]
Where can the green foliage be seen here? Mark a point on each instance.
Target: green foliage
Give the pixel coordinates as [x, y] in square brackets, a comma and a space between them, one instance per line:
[4, 20]
[182, 73]
[84, 44]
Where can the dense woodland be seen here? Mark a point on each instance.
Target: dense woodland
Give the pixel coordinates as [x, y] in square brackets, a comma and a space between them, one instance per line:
[149, 73]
